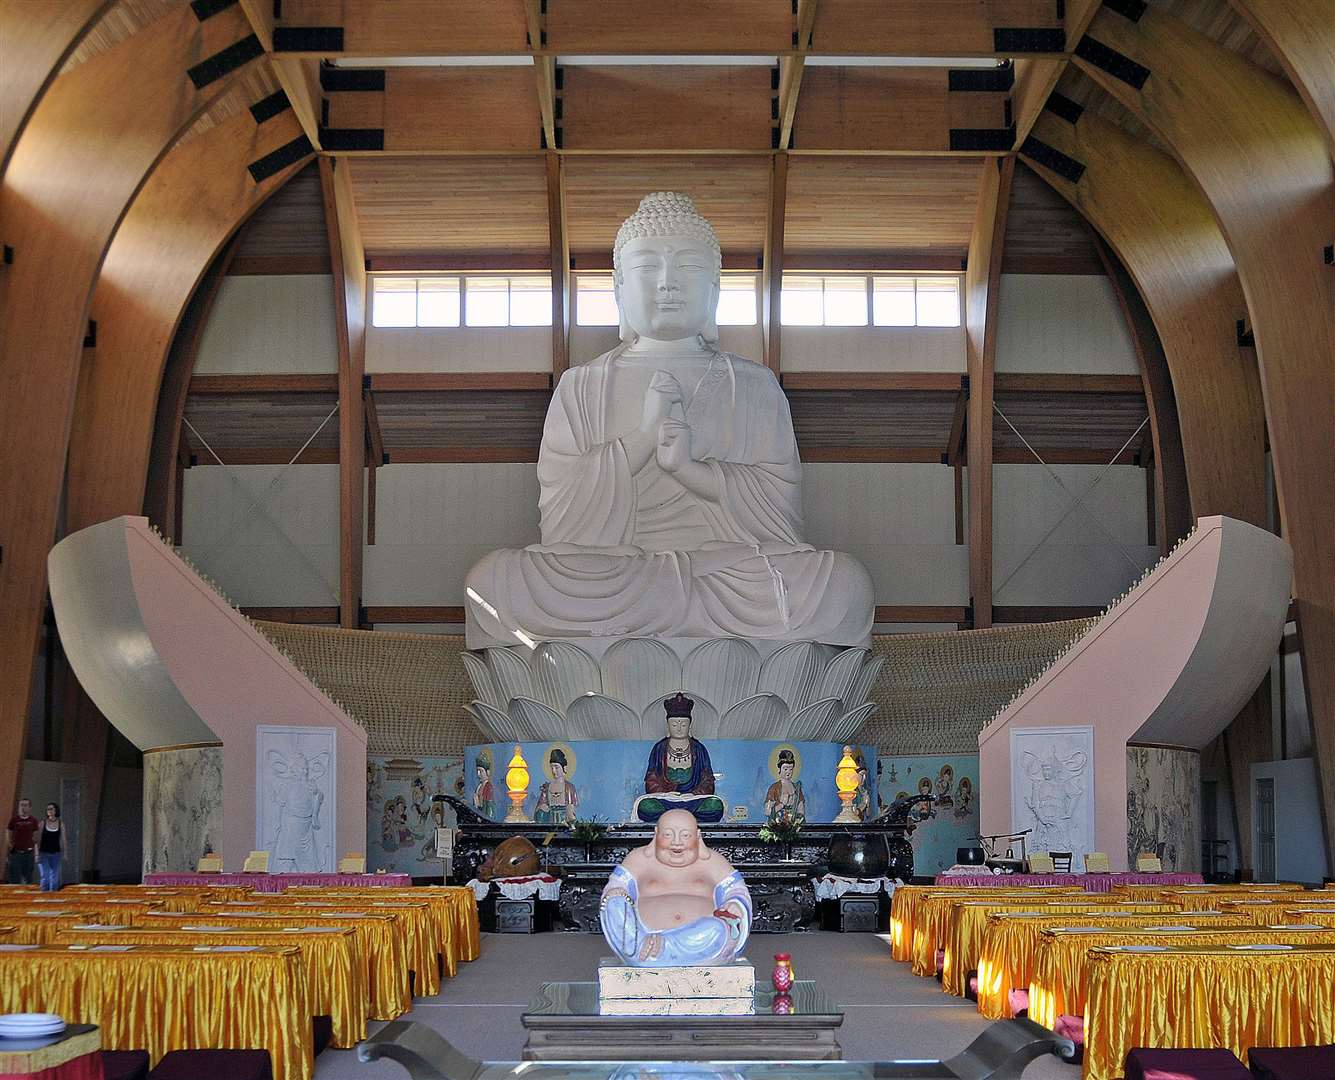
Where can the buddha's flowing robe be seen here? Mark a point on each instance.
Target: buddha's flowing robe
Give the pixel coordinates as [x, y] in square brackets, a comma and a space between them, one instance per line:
[708, 940]
[640, 554]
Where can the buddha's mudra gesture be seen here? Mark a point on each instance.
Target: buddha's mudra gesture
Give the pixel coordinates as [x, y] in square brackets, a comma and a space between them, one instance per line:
[676, 903]
[671, 488]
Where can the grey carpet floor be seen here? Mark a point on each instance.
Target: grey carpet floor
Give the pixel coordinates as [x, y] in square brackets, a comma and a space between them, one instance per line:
[888, 1012]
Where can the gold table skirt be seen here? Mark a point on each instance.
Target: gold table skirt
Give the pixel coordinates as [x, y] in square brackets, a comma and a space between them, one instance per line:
[966, 922]
[335, 967]
[1205, 997]
[1322, 916]
[421, 940]
[1006, 956]
[387, 992]
[172, 999]
[111, 910]
[42, 929]
[173, 899]
[456, 902]
[906, 904]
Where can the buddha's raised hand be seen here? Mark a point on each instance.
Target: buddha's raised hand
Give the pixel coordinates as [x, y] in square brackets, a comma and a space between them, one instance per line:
[663, 392]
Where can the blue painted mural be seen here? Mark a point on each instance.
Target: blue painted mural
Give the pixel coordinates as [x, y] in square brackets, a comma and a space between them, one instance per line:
[602, 779]
[401, 820]
[949, 823]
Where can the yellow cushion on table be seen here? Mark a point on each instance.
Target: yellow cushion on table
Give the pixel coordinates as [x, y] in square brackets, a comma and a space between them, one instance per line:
[335, 966]
[1096, 862]
[382, 940]
[352, 864]
[209, 864]
[1010, 939]
[966, 921]
[1205, 997]
[1040, 862]
[163, 999]
[257, 862]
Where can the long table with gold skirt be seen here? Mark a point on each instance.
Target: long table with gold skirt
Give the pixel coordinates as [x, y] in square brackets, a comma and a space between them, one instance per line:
[931, 919]
[335, 966]
[162, 999]
[382, 941]
[117, 910]
[1010, 940]
[907, 901]
[420, 928]
[457, 902]
[1205, 996]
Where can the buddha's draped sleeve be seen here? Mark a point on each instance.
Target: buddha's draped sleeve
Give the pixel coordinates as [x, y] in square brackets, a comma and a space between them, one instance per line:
[752, 452]
[587, 492]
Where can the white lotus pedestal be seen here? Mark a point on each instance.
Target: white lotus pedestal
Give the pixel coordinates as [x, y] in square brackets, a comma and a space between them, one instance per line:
[615, 688]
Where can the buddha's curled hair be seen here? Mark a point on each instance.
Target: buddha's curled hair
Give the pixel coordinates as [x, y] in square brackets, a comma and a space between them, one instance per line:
[666, 213]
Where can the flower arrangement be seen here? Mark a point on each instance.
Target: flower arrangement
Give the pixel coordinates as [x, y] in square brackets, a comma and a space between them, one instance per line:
[783, 827]
[587, 830]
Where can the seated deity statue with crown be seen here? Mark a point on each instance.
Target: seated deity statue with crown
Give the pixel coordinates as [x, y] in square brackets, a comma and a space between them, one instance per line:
[671, 488]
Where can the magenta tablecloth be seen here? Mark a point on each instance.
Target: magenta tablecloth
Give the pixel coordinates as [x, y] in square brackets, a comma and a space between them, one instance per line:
[1089, 882]
[279, 882]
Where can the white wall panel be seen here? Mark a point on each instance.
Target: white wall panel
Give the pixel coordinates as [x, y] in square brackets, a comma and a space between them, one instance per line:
[459, 348]
[270, 324]
[433, 522]
[1062, 323]
[267, 534]
[1096, 551]
[899, 520]
[872, 348]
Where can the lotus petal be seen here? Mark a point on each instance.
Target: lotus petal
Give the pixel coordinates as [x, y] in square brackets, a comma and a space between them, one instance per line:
[535, 720]
[494, 723]
[817, 717]
[848, 725]
[483, 684]
[597, 716]
[725, 670]
[562, 672]
[861, 688]
[510, 670]
[704, 719]
[794, 673]
[757, 717]
[841, 672]
[640, 670]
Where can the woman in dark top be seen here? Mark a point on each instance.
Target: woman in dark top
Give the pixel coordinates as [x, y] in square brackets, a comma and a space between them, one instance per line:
[50, 848]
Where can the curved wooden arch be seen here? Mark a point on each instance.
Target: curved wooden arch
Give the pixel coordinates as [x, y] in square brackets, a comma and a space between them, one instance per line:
[38, 38]
[111, 118]
[1301, 34]
[1256, 154]
[1161, 228]
[196, 198]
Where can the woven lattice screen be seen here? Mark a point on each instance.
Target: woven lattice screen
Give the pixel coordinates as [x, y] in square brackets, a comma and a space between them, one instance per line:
[934, 694]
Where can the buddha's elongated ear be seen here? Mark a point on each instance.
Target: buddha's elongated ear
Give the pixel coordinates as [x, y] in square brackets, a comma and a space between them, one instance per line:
[623, 328]
[710, 330]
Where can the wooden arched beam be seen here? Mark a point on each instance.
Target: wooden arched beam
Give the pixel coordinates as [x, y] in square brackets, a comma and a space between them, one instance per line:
[1161, 228]
[197, 196]
[1301, 34]
[37, 39]
[93, 138]
[1261, 162]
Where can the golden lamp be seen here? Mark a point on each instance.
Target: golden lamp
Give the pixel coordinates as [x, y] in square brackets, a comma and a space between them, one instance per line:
[516, 783]
[846, 780]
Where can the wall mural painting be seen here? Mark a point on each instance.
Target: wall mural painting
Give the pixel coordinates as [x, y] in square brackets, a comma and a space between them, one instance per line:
[1052, 789]
[401, 819]
[753, 780]
[294, 786]
[1163, 805]
[936, 829]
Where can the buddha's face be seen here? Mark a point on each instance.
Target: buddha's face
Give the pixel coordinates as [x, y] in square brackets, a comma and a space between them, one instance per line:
[786, 770]
[667, 287]
[679, 727]
[677, 839]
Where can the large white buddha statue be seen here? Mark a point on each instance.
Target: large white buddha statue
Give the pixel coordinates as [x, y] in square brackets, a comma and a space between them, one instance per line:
[671, 488]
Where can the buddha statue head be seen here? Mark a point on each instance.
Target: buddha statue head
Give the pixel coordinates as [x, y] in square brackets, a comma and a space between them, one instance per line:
[679, 708]
[677, 839]
[666, 269]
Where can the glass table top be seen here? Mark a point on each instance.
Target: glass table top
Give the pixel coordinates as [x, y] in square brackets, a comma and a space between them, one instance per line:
[581, 999]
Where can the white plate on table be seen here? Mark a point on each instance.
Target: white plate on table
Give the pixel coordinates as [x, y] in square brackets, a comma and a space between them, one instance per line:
[30, 1025]
[1262, 948]
[1139, 948]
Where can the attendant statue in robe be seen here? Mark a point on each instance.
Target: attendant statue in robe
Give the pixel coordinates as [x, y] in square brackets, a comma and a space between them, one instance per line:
[676, 903]
[671, 488]
[679, 775]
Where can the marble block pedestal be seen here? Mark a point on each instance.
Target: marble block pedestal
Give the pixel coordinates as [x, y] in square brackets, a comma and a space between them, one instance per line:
[718, 981]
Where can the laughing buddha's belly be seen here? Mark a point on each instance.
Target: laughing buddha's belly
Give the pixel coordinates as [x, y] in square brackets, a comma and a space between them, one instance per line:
[667, 911]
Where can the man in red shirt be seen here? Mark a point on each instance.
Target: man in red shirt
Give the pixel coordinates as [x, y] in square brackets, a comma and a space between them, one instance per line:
[21, 837]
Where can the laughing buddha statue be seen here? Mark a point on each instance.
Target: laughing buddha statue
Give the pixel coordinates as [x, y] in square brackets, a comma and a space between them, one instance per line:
[676, 902]
[671, 488]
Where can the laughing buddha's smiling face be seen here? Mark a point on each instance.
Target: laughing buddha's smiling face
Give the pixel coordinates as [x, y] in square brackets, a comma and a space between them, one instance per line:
[677, 839]
[667, 286]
